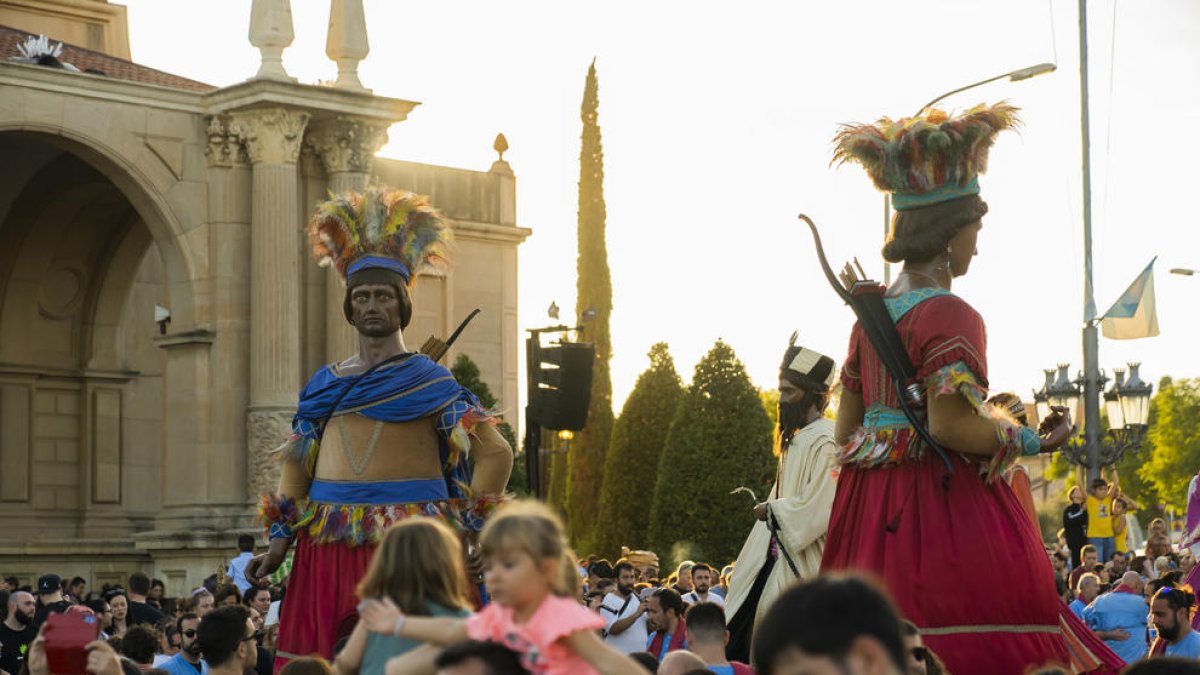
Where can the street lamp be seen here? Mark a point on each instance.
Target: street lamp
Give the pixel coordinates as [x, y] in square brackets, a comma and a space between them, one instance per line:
[1013, 76]
[1127, 404]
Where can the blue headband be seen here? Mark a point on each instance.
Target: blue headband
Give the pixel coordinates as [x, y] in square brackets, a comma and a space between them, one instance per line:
[378, 262]
[905, 201]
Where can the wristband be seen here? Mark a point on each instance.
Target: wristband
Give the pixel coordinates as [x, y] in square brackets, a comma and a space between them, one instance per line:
[399, 626]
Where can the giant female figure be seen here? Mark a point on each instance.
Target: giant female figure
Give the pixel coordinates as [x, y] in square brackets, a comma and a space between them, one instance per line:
[942, 529]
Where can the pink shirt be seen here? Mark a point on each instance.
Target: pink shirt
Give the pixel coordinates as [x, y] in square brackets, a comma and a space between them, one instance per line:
[539, 640]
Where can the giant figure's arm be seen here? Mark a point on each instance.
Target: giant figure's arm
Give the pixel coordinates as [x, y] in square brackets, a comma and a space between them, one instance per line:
[849, 416]
[493, 460]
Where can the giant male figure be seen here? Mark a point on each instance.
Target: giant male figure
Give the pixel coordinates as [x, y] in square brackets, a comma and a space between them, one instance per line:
[382, 436]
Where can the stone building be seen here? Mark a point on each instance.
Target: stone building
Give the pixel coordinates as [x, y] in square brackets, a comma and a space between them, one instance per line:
[130, 441]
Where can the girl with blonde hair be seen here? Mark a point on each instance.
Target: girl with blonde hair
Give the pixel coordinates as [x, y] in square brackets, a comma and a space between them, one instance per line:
[417, 567]
[535, 611]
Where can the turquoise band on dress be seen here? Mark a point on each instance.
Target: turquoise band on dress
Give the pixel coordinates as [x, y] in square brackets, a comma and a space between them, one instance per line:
[905, 201]
[379, 492]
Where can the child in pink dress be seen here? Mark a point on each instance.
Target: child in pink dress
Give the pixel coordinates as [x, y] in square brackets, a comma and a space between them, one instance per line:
[534, 610]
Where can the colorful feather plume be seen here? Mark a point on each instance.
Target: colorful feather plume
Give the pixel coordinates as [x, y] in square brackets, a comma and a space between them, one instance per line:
[919, 154]
[393, 224]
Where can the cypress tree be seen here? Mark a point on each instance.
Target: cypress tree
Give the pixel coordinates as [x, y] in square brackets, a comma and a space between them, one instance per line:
[720, 439]
[467, 373]
[638, 438]
[593, 292]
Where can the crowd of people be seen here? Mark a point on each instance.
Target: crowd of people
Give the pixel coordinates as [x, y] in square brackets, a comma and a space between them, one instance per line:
[137, 621]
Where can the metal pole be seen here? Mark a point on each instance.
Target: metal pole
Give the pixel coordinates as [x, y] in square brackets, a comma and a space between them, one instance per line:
[1091, 346]
[533, 432]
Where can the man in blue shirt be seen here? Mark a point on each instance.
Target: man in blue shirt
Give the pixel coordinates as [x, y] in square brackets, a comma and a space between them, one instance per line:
[237, 566]
[1169, 610]
[1119, 618]
[187, 661]
[1085, 593]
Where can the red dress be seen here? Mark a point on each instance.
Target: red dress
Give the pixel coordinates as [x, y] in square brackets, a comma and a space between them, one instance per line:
[964, 563]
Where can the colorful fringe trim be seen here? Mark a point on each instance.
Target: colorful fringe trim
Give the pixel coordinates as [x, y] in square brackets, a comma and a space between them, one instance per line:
[356, 524]
[881, 447]
[279, 515]
[1015, 439]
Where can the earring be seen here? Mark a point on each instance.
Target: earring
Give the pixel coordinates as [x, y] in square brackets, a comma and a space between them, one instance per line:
[946, 265]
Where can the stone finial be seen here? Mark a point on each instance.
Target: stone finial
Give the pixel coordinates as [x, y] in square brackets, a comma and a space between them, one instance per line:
[500, 145]
[271, 31]
[346, 43]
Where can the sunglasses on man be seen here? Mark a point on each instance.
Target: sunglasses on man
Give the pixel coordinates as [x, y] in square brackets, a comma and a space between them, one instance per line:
[256, 636]
[920, 653]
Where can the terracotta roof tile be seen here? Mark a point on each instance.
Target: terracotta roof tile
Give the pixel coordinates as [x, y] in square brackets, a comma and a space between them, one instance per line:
[111, 66]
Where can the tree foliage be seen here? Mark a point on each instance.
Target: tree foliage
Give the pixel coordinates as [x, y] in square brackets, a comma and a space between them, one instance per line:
[638, 439]
[467, 373]
[1174, 438]
[593, 293]
[720, 439]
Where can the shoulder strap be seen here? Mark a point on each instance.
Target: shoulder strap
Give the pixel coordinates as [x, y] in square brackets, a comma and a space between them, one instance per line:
[616, 613]
[865, 297]
[333, 409]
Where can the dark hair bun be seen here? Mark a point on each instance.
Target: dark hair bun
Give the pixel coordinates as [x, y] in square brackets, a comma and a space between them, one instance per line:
[920, 235]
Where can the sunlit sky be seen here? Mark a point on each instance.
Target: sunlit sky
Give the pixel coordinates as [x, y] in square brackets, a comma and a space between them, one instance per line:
[717, 120]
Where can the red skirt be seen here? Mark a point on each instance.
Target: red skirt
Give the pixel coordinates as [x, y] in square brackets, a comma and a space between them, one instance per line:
[321, 605]
[964, 564]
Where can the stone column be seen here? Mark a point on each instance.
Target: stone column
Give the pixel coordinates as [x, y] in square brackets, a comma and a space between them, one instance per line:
[346, 147]
[272, 138]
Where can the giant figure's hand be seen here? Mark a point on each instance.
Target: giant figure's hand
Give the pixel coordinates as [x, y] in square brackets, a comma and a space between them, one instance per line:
[1056, 429]
[264, 565]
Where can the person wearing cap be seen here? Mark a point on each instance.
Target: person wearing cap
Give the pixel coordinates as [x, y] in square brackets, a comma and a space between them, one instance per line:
[379, 437]
[50, 598]
[931, 520]
[788, 536]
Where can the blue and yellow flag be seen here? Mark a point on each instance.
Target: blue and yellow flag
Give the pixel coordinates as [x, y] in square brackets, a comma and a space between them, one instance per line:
[1133, 315]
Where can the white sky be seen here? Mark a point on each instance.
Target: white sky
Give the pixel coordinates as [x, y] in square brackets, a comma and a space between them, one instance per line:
[717, 120]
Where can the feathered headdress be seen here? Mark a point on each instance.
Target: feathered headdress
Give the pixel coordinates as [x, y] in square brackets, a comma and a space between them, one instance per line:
[927, 159]
[389, 229]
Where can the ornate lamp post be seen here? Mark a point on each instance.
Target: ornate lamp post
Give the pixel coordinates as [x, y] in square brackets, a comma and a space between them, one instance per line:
[1127, 405]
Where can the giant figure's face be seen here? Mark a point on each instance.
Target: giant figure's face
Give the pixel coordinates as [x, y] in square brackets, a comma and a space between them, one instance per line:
[375, 310]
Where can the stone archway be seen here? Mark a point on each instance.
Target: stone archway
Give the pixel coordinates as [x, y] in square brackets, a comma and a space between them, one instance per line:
[83, 260]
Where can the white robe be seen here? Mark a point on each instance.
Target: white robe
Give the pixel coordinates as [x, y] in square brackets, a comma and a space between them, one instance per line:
[801, 503]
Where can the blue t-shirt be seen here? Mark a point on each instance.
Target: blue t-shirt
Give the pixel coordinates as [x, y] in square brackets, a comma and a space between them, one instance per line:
[1077, 607]
[177, 665]
[720, 670]
[666, 644]
[1188, 647]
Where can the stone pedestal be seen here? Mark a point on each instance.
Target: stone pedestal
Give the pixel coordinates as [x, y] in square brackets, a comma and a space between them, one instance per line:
[346, 43]
[271, 31]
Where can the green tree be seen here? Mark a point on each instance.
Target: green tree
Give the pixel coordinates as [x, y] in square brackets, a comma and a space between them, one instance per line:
[1175, 440]
[593, 294]
[638, 438]
[467, 373]
[720, 439]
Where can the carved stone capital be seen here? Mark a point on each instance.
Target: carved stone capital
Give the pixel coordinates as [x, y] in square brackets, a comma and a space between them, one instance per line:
[224, 147]
[271, 135]
[347, 144]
